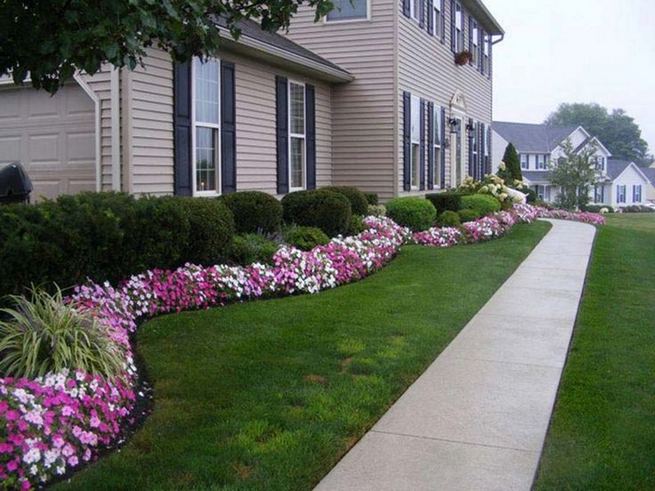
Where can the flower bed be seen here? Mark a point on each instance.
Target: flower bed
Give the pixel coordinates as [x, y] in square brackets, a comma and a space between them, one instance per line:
[55, 423]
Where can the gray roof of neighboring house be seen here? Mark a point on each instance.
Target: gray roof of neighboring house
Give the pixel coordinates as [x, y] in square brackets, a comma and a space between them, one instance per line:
[536, 176]
[649, 172]
[251, 29]
[528, 137]
[615, 167]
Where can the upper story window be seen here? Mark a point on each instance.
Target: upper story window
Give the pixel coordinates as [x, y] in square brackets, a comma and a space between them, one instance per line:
[524, 161]
[458, 31]
[416, 142]
[541, 162]
[345, 10]
[600, 163]
[486, 54]
[206, 134]
[414, 9]
[297, 133]
[438, 18]
[474, 33]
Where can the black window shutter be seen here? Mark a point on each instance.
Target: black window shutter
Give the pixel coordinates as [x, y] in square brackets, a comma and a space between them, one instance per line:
[182, 129]
[489, 141]
[228, 129]
[422, 146]
[407, 151]
[421, 14]
[310, 136]
[470, 149]
[470, 38]
[483, 150]
[431, 162]
[443, 147]
[490, 57]
[453, 33]
[282, 134]
[406, 7]
[430, 17]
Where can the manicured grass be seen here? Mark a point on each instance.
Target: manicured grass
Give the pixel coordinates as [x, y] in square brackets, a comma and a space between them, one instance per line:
[603, 431]
[270, 394]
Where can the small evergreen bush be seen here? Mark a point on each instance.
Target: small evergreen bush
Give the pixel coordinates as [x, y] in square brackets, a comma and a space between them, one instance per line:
[413, 212]
[322, 208]
[305, 238]
[467, 215]
[252, 248]
[448, 219]
[484, 204]
[358, 202]
[446, 201]
[254, 211]
[211, 227]
[372, 198]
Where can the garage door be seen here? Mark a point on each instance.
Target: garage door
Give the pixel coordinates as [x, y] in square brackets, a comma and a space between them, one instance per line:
[53, 136]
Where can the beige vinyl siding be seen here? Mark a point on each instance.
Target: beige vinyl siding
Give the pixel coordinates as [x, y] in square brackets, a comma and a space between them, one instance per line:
[426, 68]
[362, 110]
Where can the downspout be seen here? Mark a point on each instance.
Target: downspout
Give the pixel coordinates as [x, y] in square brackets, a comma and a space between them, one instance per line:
[396, 105]
[502, 36]
[115, 129]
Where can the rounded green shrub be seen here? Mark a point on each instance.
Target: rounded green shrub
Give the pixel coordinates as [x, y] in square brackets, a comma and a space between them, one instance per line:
[356, 225]
[211, 227]
[531, 195]
[305, 238]
[448, 219]
[358, 202]
[252, 248]
[446, 201]
[413, 212]
[484, 204]
[372, 198]
[468, 215]
[254, 211]
[320, 208]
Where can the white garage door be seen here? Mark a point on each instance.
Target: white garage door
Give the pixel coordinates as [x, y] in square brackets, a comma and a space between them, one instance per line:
[53, 136]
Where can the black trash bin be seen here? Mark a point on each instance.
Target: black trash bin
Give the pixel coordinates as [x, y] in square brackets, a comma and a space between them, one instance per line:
[15, 184]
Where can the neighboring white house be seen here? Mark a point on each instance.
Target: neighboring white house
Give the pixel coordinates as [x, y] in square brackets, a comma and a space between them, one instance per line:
[649, 172]
[620, 183]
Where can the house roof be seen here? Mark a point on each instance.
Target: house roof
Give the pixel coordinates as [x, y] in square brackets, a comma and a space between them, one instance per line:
[536, 176]
[275, 47]
[616, 167]
[483, 16]
[649, 172]
[527, 137]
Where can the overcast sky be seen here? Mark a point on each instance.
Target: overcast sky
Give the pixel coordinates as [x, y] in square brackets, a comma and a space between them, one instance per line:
[575, 51]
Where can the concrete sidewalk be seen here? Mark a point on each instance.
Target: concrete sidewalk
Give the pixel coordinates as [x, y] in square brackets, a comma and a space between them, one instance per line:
[477, 418]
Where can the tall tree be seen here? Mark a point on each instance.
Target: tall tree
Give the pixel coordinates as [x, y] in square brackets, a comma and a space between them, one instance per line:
[574, 173]
[512, 165]
[616, 130]
[50, 40]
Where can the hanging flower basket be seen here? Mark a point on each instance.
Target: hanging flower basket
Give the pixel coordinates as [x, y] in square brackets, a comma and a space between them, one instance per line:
[463, 57]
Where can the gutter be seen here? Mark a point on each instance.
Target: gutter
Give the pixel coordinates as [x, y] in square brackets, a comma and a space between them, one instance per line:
[115, 129]
[500, 39]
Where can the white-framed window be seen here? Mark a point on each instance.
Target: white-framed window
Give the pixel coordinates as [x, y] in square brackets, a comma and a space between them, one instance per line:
[459, 28]
[475, 42]
[414, 9]
[437, 18]
[599, 193]
[297, 133]
[524, 161]
[205, 121]
[348, 10]
[620, 193]
[415, 163]
[636, 193]
[541, 162]
[540, 189]
[599, 162]
[486, 54]
[436, 161]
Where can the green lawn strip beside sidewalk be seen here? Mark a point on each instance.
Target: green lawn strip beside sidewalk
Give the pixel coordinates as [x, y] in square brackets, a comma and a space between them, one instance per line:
[603, 430]
[270, 394]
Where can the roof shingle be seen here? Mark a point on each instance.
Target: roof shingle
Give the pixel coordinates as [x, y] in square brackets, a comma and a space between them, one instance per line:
[528, 137]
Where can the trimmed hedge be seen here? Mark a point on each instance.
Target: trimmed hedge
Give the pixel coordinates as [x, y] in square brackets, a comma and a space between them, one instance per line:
[597, 208]
[448, 219]
[106, 237]
[252, 248]
[254, 211]
[446, 201]
[322, 208]
[358, 202]
[372, 198]
[305, 238]
[413, 212]
[484, 204]
[468, 215]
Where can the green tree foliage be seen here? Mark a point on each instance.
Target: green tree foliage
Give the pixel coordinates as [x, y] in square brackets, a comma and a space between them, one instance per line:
[616, 130]
[574, 173]
[512, 165]
[50, 41]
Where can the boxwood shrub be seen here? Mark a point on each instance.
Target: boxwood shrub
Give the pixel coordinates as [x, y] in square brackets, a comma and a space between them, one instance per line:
[446, 201]
[372, 198]
[448, 219]
[413, 212]
[320, 208]
[106, 237]
[305, 238]
[254, 211]
[468, 215]
[484, 204]
[358, 202]
[252, 248]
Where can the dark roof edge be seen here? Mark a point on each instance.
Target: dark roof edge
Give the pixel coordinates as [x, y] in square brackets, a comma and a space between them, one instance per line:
[482, 14]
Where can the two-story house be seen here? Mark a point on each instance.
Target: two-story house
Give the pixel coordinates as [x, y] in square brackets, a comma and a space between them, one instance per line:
[618, 183]
[369, 96]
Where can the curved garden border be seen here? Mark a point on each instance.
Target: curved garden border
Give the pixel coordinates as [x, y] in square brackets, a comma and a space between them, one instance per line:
[55, 424]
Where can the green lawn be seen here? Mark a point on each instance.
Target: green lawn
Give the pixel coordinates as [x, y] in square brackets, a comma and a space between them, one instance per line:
[603, 431]
[270, 394]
